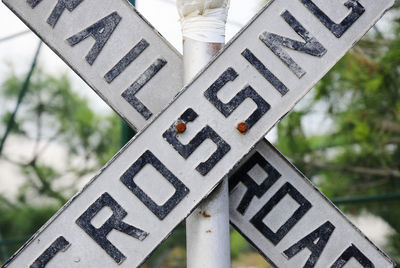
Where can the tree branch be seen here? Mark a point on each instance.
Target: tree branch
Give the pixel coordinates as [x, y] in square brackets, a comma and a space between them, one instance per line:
[46, 187]
[46, 145]
[359, 170]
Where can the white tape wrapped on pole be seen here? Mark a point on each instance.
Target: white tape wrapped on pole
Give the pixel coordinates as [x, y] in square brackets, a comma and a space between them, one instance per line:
[207, 228]
[203, 20]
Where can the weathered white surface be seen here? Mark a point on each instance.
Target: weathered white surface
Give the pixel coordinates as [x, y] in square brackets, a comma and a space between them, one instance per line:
[130, 30]
[85, 252]
[321, 211]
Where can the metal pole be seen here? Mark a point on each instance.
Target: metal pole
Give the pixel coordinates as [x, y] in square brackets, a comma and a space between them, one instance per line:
[207, 228]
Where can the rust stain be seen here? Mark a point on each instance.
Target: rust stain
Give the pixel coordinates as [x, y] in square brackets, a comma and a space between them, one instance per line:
[206, 215]
[208, 231]
[216, 47]
[180, 127]
[242, 127]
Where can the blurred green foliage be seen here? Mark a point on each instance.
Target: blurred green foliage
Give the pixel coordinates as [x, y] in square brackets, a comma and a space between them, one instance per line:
[51, 114]
[19, 221]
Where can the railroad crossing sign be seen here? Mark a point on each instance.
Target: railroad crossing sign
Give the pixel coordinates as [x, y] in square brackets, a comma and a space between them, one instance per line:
[120, 197]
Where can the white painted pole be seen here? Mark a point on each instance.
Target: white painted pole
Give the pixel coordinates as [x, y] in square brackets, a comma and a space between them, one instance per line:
[207, 228]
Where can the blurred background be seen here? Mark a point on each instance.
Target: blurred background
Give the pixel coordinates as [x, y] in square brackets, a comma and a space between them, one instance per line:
[55, 133]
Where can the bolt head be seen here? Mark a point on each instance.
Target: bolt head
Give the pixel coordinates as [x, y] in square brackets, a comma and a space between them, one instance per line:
[242, 127]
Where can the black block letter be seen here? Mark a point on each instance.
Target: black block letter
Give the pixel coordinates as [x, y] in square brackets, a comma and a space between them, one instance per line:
[114, 222]
[100, 31]
[228, 108]
[322, 234]
[253, 189]
[126, 60]
[257, 220]
[353, 252]
[276, 42]
[33, 3]
[160, 211]
[206, 133]
[337, 29]
[129, 94]
[59, 9]
[60, 244]
[265, 72]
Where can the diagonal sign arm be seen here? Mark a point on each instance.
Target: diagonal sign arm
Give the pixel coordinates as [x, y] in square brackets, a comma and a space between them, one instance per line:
[205, 103]
[281, 213]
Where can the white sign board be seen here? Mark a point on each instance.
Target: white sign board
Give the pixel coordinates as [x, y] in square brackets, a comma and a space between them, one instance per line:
[115, 51]
[254, 80]
[289, 221]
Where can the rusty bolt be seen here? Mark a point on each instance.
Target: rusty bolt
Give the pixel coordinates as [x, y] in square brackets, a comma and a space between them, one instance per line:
[242, 127]
[180, 127]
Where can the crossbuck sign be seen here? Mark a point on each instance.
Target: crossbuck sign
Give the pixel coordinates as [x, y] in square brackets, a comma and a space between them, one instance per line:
[256, 79]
